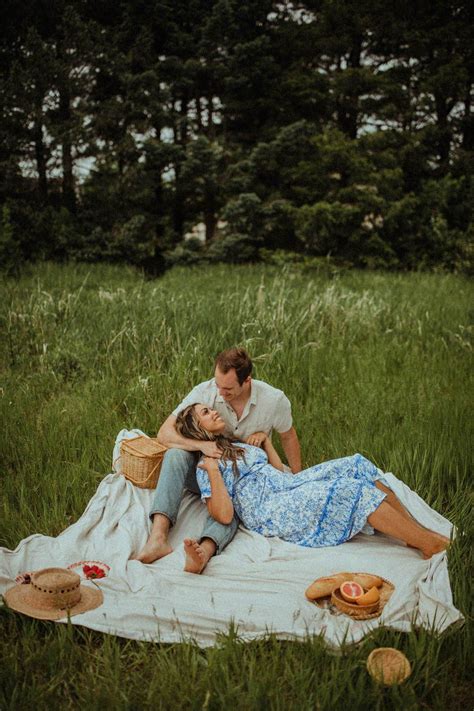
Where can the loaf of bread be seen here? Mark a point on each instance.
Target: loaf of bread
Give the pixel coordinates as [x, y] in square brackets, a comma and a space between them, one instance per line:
[367, 581]
[325, 586]
[322, 587]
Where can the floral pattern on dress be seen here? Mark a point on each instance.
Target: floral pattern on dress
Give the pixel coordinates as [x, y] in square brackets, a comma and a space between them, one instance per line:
[324, 505]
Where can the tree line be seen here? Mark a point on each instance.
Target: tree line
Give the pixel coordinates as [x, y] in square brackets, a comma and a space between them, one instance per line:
[326, 127]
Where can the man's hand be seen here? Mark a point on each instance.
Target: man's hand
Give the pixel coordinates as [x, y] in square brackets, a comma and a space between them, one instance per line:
[210, 449]
[257, 439]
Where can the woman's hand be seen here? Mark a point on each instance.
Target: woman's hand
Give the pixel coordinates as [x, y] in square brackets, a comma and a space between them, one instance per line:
[257, 439]
[208, 463]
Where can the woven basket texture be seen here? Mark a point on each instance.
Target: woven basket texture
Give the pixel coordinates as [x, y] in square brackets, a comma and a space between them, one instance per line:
[388, 665]
[351, 608]
[141, 460]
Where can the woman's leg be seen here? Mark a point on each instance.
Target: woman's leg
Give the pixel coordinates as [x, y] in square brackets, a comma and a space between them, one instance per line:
[391, 521]
[393, 500]
[397, 504]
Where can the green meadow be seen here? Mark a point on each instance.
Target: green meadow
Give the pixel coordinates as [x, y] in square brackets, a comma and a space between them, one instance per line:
[379, 363]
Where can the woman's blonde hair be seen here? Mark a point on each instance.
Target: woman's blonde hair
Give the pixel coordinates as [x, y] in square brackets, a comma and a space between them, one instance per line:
[188, 425]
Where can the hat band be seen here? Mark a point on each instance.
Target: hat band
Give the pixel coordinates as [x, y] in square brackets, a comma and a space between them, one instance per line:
[50, 599]
[63, 589]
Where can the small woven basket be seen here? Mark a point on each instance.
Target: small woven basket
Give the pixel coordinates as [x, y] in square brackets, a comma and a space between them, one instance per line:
[352, 608]
[141, 459]
[388, 665]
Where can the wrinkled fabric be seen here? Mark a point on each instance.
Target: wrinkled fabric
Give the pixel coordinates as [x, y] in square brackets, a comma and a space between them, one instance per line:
[321, 506]
[257, 584]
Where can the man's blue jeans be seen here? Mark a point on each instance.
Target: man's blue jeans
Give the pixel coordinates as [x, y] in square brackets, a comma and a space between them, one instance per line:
[178, 472]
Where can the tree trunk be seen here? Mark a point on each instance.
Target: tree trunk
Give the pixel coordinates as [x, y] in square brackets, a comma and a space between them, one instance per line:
[210, 219]
[468, 121]
[158, 207]
[199, 115]
[444, 133]
[69, 194]
[210, 117]
[40, 152]
[184, 121]
[178, 207]
[348, 109]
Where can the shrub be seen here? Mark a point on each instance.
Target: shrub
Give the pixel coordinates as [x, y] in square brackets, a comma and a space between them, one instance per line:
[236, 248]
[10, 252]
[327, 227]
[243, 234]
[190, 251]
[278, 225]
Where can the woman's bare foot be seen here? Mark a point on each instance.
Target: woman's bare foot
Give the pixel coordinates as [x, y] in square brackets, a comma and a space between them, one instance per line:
[156, 547]
[437, 544]
[197, 556]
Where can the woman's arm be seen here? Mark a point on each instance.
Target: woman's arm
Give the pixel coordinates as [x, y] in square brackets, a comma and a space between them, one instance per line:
[272, 454]
[219, 504]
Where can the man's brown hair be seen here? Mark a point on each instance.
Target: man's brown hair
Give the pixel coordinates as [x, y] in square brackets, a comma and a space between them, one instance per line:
[237, 358]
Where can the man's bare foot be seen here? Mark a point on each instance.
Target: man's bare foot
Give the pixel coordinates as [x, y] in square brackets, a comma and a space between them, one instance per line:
[437, 544]
[197, 556]
[156, 547]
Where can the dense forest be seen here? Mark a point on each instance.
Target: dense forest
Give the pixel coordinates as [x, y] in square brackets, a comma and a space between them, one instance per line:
[168, 131]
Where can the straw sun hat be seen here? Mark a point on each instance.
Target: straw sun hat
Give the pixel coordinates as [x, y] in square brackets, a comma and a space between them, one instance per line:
[388, 665]
[53, 593]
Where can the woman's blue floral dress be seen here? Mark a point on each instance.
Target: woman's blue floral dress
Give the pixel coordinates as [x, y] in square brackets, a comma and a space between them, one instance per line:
[321, 506]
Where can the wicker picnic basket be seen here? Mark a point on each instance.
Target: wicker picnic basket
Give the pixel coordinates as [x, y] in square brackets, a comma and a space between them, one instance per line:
[336, 603]
[141, 459]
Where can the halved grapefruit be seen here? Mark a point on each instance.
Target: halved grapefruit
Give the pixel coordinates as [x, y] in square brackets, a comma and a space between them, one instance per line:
[369, 598]
[351, 591]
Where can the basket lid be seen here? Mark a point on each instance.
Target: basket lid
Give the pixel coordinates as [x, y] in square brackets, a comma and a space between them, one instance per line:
[143, 446]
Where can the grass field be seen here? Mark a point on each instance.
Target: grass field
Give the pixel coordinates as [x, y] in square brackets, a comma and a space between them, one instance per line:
[372, 362]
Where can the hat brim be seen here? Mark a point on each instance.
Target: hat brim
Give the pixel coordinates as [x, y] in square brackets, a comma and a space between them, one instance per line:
[19, 599]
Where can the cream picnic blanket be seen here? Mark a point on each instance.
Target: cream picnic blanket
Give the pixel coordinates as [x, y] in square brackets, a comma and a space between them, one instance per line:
[257, 584]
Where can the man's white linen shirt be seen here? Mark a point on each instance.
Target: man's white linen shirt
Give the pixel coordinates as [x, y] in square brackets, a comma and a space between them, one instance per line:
[266, 409]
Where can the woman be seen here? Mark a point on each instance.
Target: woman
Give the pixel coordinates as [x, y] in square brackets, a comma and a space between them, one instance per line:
[324, 505]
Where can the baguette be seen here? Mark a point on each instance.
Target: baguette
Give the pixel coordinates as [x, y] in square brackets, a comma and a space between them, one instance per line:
[367, 581]
[325, 586]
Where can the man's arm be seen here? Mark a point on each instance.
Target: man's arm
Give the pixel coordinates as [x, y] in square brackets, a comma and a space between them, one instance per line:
[168, 436]
[272, 454]
[291, 447]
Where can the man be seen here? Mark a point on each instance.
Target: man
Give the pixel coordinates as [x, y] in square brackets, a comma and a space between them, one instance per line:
[251, 409]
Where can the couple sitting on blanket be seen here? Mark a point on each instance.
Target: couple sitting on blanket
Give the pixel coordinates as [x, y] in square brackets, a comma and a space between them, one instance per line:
[219, 446]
